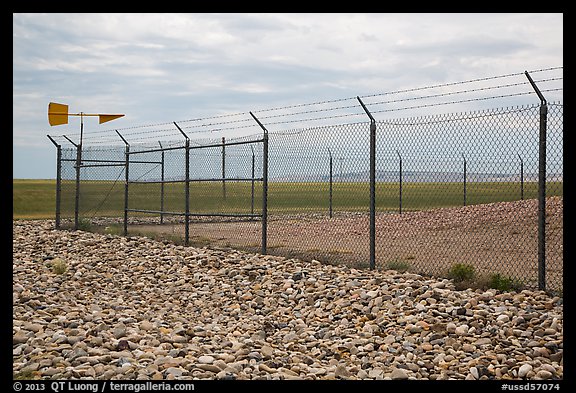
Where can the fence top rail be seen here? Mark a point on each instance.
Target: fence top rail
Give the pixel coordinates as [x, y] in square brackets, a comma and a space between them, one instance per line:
[113, 162]
[155, 150]
[219, 179]
[98, 165]
[195, 214]
[227, 144]
[197, 147]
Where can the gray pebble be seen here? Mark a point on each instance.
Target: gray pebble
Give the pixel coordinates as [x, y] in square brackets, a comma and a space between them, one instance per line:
[189, 313]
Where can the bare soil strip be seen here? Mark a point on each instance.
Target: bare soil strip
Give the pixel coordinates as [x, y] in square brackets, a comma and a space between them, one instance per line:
[494, 238]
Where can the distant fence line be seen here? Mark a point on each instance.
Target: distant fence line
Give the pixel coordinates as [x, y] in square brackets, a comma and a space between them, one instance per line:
[330, 192]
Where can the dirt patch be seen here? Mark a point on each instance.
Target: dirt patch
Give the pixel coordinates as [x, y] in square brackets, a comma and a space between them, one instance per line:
[494, 238]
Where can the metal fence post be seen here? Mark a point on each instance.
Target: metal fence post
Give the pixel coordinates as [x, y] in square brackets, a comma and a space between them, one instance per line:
[77, 195]
[541, 187]
[224, 167]
[187, 192]
[127, 152]
[264, 185]
[77, 191]
[372, 186]
[186, 187]
[521, 178]
[399, 156]
[58, 180]
[372, 194]
[252, 190]
[265, 194]
[330, 192]
[126, 181]
[464, 178]
[161, 185]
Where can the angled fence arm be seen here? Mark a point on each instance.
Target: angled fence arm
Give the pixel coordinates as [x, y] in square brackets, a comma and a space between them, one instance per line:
[372, 186]
[541, 186]
[264, 186]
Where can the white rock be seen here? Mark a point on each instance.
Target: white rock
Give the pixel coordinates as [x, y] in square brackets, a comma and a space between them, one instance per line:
[524, 370]
[206, 359]
[398, 373]
[461, 330]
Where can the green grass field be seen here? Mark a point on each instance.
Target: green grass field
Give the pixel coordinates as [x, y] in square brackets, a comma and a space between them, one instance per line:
[34, 199]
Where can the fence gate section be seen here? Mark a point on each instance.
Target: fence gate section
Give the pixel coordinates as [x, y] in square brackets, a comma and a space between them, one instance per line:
[201, 192]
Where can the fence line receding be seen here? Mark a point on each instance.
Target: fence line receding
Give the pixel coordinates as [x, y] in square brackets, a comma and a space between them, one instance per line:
[420, 193]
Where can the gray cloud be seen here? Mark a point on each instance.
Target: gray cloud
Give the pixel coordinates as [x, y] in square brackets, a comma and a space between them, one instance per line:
[165, 67]
[472, 46]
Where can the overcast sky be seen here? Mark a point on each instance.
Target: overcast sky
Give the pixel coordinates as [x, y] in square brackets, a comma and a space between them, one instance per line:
[158, 68]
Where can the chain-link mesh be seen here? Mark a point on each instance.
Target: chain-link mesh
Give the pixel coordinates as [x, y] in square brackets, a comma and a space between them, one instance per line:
[465, 188]
[451, 189]
[224, 188]
[456, 188]
[101, 186]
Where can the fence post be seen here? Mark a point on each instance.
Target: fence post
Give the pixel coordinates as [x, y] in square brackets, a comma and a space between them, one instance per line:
[265, 194]
[397, 152]
[521, 178]
[464, 178]
[252, 193]
[372, 186]
[58, 179]
[161, 185]
[127, 179]
[187, 192]
[264, 186]
[186, 188]
[224, 167]
[77, 195]
[78, 165]
[330, 192]
[541, 187]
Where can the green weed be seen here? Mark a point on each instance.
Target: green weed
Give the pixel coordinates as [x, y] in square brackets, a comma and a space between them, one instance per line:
[58, 266]
[461, 272]
[398, 265]
[503, 283]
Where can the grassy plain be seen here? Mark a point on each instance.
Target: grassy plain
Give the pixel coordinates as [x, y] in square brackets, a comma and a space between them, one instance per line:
[34, 199]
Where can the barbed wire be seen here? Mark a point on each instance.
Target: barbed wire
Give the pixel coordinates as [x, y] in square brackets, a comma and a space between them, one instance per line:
[462, 101]
[442, 118]
[243, 120]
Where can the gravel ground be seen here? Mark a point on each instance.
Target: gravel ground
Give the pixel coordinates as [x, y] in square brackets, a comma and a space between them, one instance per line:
[134, 308]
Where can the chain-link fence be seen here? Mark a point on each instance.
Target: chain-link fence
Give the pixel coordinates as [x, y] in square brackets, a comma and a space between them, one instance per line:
[452, 189]
[424, 194]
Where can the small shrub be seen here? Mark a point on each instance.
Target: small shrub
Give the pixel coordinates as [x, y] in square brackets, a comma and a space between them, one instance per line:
[25, 374]
[114, 229]
[84, 225]
[358, 265]
[398, 265]
[503, 283]
[461, 272]
[59, 266]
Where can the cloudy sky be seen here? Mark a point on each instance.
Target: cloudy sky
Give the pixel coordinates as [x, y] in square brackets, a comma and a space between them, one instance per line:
[160, 68]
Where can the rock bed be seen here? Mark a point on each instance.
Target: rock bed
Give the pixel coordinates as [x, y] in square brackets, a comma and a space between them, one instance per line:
[135, 308]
